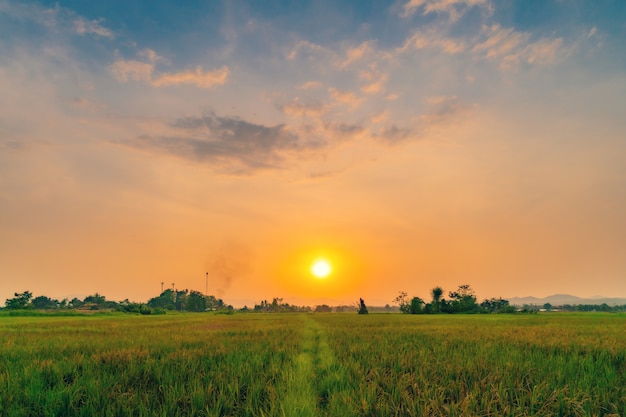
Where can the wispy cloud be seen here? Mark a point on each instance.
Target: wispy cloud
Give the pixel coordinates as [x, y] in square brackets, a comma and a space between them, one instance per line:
[134, 70]
[512, 47]
[304, 47]
[374, 80]
[355, 54]
[297, 107]
[203, 79]
[345, 97]
[454, 8]
[56, 18]
[433, 38]
[91, 27]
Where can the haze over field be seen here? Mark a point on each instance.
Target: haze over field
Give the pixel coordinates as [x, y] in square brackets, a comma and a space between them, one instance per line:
[409, 144]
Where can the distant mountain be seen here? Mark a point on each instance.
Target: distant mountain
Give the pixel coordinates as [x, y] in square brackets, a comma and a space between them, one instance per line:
[560, 299]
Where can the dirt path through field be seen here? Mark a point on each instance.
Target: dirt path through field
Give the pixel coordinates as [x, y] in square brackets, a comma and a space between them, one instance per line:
[315, 384]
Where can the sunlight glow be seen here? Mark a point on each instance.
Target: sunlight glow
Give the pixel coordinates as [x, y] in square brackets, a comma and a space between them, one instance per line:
[321, 268]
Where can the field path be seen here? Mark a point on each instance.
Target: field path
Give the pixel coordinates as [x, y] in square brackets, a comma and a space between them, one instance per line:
[314, 384]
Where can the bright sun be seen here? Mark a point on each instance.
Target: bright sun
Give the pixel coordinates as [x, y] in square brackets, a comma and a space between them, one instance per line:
[321, 268]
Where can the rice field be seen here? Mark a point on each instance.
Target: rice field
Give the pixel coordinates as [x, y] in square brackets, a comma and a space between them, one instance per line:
[314, 365]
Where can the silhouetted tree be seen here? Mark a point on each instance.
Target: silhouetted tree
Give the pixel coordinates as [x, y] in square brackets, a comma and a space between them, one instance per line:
[196, 302]
[362, 307]
[497, 305]
[42, 302]
[20, 301]
[165, 300]
[463, 300]
[416, 306]
[403, 302]
[323, 308]
[437, 292]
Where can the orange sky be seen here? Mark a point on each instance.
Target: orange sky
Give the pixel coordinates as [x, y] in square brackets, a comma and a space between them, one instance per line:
[461, 148]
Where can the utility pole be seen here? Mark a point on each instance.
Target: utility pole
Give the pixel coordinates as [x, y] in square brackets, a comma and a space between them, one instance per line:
[206, 288]
[162, 287]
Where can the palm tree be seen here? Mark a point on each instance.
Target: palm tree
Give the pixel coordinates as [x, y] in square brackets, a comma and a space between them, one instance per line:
[437, 292]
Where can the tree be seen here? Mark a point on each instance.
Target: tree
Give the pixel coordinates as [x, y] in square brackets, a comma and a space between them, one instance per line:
[436, 292]
[323, 308]
[497, 305]
[96, 299]
[20, 301]
[403, 302]
[362, 307]
[165, 300]
[463, 300]
[42, 302]
[196, 302]
[413, 306]
[416, 305]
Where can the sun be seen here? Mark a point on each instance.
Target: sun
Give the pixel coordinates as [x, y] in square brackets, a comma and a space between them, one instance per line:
[321, 268]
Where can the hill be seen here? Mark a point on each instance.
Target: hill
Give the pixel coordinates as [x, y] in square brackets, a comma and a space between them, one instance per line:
[561, 299]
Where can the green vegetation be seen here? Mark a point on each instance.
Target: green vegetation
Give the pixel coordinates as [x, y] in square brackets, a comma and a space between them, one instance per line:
[179, 300]
[567, 364]
[463, 300]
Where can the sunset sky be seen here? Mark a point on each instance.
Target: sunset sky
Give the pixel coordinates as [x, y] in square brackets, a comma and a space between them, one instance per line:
[410, 144]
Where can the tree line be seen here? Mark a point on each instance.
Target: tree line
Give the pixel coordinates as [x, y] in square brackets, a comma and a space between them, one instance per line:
[168, 300]
[463, 300]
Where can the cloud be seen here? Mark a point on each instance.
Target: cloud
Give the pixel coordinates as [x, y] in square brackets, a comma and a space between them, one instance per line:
[306, 46]
[93, 27]
[57, 18]
[134, 70]
[435, 39]
[310, 85]
[593, 31]
[225, 141]
[506, 46]
[203, 79]
[454, 8]
[345, 97]
[298, 108]
[355, 54]
[375, 81]
[444, 112]
[512, 47]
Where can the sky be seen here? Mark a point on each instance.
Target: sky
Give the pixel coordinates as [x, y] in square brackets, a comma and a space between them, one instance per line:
[411, 144]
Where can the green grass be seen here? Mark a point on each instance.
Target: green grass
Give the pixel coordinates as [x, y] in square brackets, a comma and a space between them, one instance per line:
[313, 365]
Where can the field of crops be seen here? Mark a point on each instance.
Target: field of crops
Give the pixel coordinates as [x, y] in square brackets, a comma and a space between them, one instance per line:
[314, 365]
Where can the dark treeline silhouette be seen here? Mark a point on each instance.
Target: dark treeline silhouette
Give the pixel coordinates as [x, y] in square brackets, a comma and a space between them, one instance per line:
[179, 300]
[277, 306]
[463, 300]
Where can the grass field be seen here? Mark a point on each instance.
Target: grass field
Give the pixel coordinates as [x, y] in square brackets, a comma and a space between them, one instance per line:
[314, 365]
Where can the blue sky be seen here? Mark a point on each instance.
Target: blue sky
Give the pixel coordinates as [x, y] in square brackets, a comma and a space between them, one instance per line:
[435, 141]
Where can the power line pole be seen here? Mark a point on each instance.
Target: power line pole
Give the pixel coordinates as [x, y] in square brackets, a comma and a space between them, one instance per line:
[206, 288]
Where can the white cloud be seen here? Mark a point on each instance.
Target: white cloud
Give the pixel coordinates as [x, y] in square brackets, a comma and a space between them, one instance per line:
[454, 8]
[91, 27]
